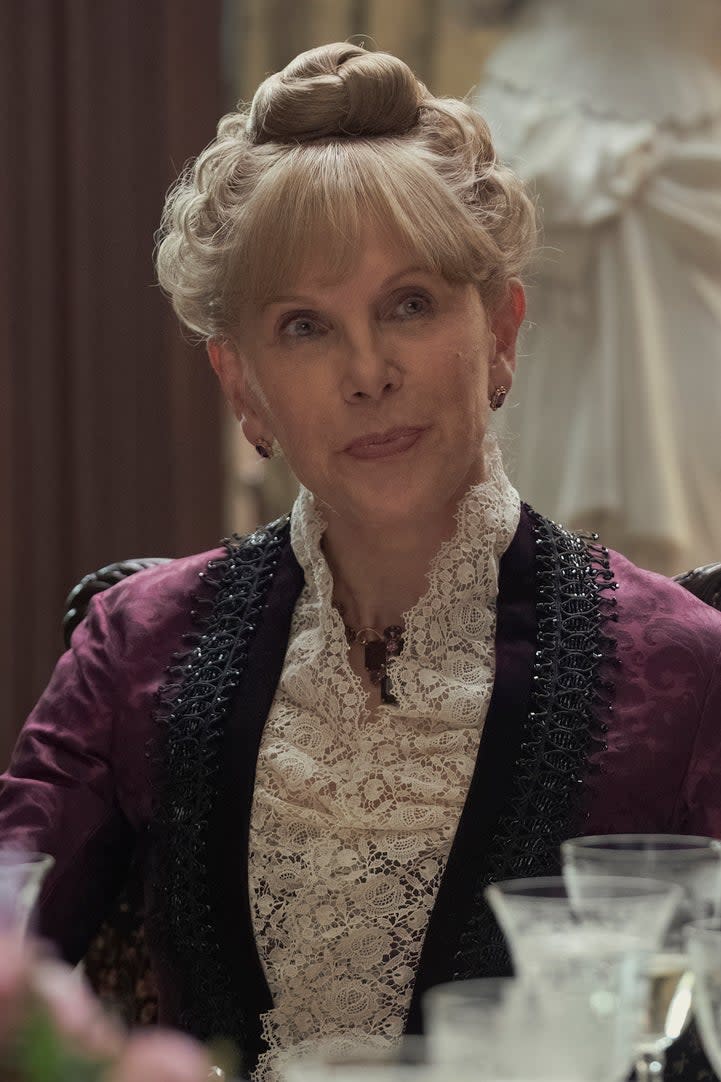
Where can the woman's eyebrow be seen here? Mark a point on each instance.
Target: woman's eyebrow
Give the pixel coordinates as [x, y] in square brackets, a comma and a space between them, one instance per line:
[402, 274]
[290, 298]
[306, 299]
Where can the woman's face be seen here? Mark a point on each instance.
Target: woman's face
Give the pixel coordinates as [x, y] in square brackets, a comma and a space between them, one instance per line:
[376, 387]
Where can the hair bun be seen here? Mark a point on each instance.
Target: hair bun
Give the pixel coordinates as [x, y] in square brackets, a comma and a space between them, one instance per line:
[337, 89]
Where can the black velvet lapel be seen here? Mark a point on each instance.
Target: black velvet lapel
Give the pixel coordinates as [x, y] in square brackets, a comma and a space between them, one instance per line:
[231, 828]
[210, 719]
[491, 781]
[543, 722]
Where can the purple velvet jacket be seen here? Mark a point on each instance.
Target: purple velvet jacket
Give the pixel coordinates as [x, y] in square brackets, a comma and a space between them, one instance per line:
[605, 717]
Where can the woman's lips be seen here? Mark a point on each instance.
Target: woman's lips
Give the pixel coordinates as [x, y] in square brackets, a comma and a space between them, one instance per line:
[384, 444]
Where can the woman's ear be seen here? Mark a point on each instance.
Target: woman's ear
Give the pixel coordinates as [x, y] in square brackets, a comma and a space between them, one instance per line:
[505, 321]
[228, 368]
[231, 369]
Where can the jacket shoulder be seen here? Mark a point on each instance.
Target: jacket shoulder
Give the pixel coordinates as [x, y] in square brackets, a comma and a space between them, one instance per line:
[137, 623]
[159, 590]
[163, 602]
[647, 600]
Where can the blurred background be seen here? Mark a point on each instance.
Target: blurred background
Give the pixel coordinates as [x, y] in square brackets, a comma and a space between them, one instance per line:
[114, 442]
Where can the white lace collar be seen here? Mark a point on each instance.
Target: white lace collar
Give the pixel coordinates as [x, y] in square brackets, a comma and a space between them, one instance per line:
[449, 633]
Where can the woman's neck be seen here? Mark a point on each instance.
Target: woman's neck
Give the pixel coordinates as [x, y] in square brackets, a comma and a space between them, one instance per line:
[380, 574]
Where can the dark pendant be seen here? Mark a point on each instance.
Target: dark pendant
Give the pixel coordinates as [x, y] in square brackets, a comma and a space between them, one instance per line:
[376, 651]
[376, 655]
[386, 694]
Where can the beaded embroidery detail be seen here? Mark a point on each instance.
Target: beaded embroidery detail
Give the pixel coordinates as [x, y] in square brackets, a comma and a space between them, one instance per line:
[194, 706]
[560, 732]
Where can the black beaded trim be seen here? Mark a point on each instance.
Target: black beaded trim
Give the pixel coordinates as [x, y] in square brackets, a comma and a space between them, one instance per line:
[570, 698]
[192, 718]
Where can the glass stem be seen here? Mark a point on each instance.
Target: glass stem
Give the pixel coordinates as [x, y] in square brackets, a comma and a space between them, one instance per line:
[650, 1065]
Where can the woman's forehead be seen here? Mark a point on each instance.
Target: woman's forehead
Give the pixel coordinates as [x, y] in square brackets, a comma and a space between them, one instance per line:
[376, 249]
[300, 234]
[378, 252]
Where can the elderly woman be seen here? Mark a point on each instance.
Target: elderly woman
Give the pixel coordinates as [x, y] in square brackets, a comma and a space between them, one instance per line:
[322, 741]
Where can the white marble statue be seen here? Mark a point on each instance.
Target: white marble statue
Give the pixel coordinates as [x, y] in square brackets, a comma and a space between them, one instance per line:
[612, 110]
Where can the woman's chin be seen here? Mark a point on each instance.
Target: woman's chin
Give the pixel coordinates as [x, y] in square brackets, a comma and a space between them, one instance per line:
[385, 501]
[395, 509]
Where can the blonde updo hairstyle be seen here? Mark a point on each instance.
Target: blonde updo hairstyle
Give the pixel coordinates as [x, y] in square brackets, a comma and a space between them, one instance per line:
[339, 139]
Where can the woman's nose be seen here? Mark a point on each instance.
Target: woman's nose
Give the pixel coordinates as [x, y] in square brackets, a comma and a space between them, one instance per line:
[370, 370]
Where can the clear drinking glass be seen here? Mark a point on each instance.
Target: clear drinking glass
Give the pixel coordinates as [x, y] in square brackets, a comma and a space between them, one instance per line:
[573, 943]
[581, 1028]
[703, 942]
[552, 925]
[462, 1017]
[694, 865]
[348, 1058]
[21, 876]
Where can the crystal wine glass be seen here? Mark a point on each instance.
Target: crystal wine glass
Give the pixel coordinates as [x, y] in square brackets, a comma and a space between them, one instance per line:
[21, 876]
[582, 1029]
[351, 1058]
[549, 926]
[693, 864]
[559, 937]
[703, 943]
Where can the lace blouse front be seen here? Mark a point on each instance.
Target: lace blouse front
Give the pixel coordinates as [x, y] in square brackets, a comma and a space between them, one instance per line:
[354, 812]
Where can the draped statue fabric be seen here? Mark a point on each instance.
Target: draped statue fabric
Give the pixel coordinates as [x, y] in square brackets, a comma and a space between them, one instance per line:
[612, 113]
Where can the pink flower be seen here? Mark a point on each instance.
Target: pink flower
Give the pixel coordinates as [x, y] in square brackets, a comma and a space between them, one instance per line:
[163, 1057]
[75, 1010]
[13, 984]
[29, 975]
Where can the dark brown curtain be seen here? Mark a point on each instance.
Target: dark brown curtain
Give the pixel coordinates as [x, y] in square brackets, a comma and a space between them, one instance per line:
[110, 433]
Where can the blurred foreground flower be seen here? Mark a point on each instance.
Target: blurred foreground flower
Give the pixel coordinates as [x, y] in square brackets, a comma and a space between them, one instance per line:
[52, 1029]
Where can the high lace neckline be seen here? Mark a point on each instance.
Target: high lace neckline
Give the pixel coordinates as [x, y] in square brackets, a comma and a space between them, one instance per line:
[462, 581]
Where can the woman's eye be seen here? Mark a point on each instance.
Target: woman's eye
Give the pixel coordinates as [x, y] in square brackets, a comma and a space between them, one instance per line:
[300, 327]
[414, 305]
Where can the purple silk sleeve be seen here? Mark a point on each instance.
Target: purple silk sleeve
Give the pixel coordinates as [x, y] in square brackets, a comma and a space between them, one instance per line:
[78, 785]
[661, 768]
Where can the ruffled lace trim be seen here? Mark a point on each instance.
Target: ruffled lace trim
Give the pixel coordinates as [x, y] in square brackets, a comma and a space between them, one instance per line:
[449, 631]
[354, 813]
